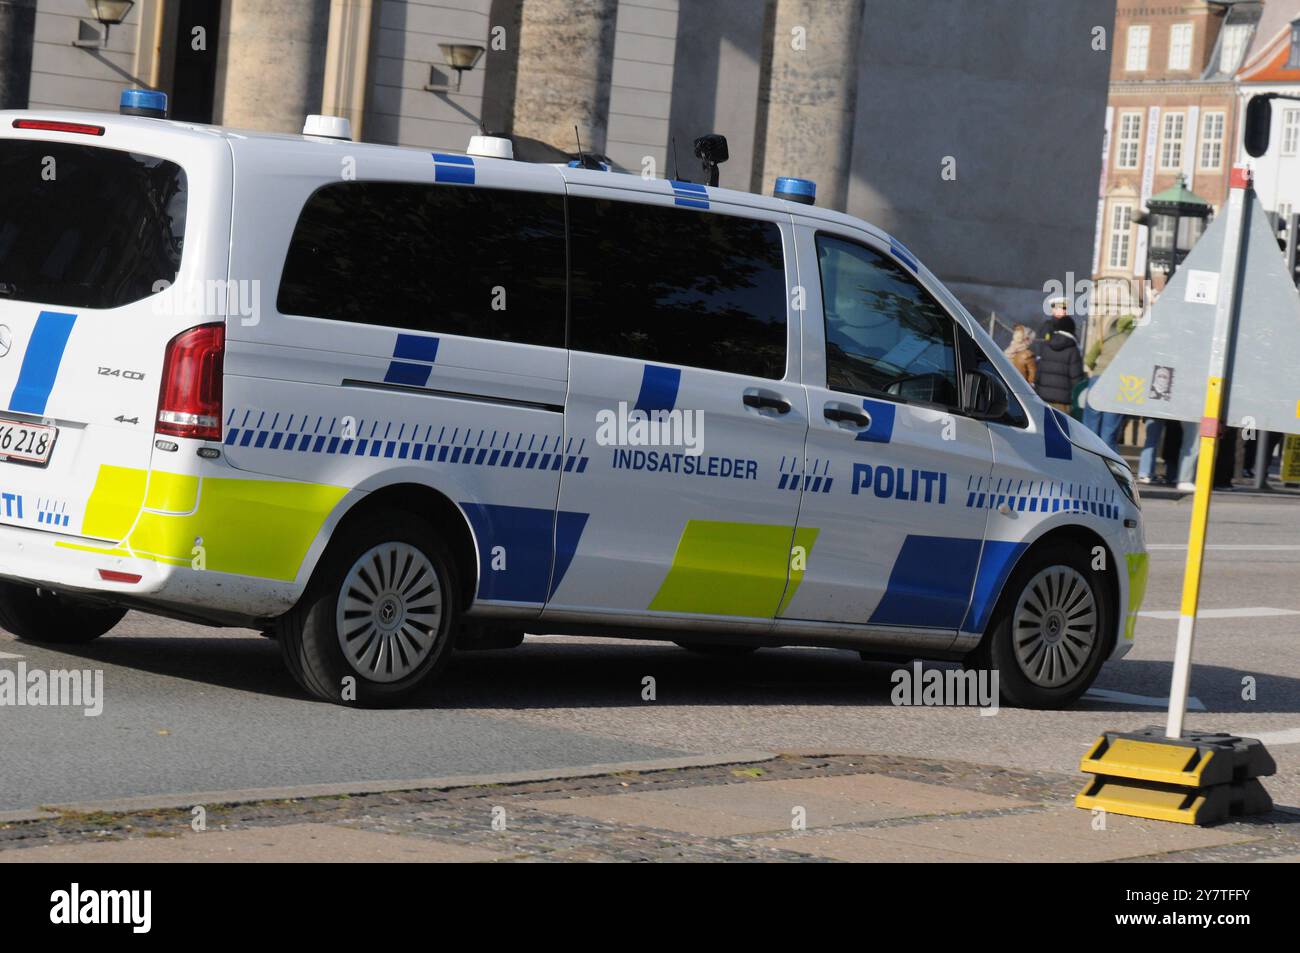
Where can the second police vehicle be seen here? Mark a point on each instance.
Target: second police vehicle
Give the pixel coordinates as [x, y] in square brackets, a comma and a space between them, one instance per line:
[381, 403]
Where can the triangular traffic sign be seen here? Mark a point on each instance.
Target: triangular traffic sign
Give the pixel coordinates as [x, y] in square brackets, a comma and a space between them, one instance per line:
[1161, 371]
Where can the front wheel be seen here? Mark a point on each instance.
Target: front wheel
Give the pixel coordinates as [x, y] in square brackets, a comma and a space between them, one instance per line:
[38, 615]
[1047, 640]
[376, 621]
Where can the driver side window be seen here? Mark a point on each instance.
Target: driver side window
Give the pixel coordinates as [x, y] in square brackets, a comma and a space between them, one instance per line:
[885, 335]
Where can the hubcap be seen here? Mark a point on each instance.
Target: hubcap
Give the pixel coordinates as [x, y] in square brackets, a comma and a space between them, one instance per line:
[389, 612]
[1055, 626]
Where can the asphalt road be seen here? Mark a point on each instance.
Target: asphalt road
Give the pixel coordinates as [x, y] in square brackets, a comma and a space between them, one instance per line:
[194, 709]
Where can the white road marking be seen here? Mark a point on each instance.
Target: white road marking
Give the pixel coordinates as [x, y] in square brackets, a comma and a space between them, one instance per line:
[1231, 547]
[7, 655]
[1147, 701]
[1253, 612]
[1289, 736]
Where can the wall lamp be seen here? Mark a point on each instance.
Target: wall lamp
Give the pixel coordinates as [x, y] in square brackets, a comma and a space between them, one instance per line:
[460, 57]
[109, 13]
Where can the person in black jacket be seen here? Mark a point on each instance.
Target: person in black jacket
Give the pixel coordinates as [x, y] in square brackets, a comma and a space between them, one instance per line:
[1060, 368]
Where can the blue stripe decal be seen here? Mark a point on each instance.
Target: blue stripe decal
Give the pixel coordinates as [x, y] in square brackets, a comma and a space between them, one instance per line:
[520, 541]
[458, 170]
[41, 362]
[917, 595]
[659, 386]
[416, 375]
[568, 530]
[690, 194]
[414, 347]
[996, 562]
[902, 254]
[882, 421]
[1056, 434]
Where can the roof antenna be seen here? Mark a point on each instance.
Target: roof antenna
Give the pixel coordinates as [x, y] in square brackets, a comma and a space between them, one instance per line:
[585, 161]
[676, 170]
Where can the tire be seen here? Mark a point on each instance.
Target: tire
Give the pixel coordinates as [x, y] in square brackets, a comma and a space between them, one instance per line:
[718, 651]
[386, 589]
[1062, 609]
[38, 615]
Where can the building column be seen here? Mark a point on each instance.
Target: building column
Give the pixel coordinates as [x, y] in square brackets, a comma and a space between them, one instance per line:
[347, 61]
[566, 59]
[270, 74]
[811, 98]
[17, 34]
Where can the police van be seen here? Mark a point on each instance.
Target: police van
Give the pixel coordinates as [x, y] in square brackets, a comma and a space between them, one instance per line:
[381, 403]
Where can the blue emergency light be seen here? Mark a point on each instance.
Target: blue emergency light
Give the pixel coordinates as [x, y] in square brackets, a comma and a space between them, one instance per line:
[802, 191]
[143, 102]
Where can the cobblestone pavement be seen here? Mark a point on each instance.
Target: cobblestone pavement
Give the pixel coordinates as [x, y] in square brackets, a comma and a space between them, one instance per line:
[852, 807]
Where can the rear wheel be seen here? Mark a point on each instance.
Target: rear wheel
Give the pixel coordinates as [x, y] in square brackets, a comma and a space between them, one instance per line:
[39, 615]
[376, 621]
[1047, 639]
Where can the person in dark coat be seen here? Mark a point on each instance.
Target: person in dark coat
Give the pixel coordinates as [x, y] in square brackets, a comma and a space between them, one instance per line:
[1060, 367]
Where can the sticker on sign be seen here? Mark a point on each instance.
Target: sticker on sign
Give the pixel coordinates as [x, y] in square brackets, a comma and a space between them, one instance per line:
[1202, 287]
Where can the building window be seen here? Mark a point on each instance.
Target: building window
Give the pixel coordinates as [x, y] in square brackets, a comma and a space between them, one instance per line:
[1232, 43]
[1121, 234]
[1212, 141]
[1130, 141]
[1290, 131]
[1171, 146]
[1139, 42]
[1180, 46]
[1293, 58]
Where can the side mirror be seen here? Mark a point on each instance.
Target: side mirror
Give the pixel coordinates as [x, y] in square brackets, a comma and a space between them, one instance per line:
[988, 397]
[1259, 119]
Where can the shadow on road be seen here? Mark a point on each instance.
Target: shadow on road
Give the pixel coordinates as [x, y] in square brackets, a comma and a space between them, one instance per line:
[557, 673]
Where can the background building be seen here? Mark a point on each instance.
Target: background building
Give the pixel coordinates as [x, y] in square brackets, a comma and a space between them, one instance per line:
[967, 129]
[1173, 111]
[1272, 65]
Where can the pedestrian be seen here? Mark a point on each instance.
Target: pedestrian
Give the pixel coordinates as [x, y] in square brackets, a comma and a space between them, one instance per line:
[1103, 423]
[1060, 365]
[1020, 353]
[1060, 308]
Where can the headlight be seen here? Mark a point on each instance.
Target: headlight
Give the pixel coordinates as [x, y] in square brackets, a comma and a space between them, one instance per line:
[1124, 477]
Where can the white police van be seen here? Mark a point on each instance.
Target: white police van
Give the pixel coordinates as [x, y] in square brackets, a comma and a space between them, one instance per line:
[381, 403]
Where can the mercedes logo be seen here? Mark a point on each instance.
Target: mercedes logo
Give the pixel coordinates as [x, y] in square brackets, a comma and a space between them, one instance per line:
[6, 339]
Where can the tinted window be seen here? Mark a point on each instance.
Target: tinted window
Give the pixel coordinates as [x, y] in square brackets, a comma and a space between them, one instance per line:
[87, 227]
[678, 286]
[485, 263]
[885, 335]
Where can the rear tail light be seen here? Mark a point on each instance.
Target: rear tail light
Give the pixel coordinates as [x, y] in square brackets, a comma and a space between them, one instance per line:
[50, 125]
[112, 575]
[189, 400]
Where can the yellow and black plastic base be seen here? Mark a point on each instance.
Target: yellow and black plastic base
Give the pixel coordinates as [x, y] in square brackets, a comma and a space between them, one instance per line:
[1202, 778]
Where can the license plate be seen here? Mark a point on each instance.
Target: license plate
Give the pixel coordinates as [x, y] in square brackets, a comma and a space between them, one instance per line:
[30, 443]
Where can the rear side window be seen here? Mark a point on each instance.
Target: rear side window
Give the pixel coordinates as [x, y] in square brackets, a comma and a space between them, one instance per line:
[885, 334]
[87, 227]
[486, 263]
[678, 286]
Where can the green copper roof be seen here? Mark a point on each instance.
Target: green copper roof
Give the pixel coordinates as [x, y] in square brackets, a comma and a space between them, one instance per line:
[1180, 194]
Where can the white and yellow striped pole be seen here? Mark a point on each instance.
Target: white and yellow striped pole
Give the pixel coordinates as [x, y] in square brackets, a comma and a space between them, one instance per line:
[1226, 312]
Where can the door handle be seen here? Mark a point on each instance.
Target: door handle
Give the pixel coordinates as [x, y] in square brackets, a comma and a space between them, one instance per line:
[767, 402]
[838, 413]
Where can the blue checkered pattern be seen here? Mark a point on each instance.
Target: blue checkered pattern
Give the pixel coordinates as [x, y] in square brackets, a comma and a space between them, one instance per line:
[1041, 496]
[817, 480]
[458, 445]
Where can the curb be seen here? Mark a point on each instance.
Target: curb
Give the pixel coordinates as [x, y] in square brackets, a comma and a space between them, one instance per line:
[152, 802]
